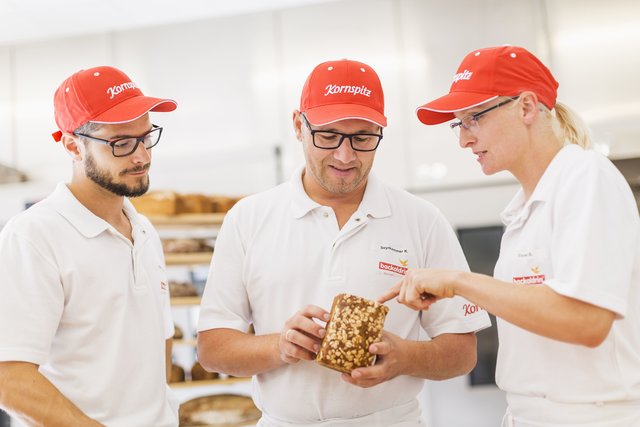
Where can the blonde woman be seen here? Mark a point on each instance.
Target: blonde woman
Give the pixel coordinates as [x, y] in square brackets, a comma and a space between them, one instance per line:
[566, 287]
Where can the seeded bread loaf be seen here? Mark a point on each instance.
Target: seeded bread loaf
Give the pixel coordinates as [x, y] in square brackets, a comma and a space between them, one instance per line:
[354, 324]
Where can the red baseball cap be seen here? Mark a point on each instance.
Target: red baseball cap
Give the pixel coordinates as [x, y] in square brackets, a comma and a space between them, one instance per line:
[344, 89]
[101, 95]
[485, 74]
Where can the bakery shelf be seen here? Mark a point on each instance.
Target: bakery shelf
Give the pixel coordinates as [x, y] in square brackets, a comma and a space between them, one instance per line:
[188, 219]
[192, 342]
[175, 301]
[202, 383]
[190, 258]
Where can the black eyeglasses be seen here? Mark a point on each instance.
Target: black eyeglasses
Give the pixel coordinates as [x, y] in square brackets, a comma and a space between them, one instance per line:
[470, 122]
[122, 147]
[329, 140]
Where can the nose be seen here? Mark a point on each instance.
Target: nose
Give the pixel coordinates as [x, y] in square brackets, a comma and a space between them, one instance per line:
[466, 138]
[141, 154]
[344, 152]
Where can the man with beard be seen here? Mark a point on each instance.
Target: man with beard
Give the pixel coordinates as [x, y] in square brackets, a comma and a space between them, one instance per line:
[282, 255]
[83, 280]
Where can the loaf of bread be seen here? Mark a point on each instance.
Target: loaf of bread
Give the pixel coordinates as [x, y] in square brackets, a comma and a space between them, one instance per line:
[177, 374]
[182, 289]
[156, 203]
[193, 203]
[354, 324]
[198, 373]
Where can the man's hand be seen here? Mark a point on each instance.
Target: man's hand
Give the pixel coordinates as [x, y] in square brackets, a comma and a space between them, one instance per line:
[389, 363]
[301, 336]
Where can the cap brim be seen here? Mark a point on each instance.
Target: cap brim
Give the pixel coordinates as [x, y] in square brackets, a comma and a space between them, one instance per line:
[326, 114]
[441, 110]
[133, 108]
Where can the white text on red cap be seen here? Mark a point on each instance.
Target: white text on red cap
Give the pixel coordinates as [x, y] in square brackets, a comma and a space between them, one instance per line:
[356, 90]
[465, 75]
[118, 89]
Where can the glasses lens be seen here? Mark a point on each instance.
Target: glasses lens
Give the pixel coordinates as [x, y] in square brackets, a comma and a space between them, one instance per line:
[152, 138]
[326, 140]
[455, 128]
[126, 146]
[365, 142]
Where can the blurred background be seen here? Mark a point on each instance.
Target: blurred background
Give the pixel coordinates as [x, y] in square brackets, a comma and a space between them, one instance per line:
[237, 67]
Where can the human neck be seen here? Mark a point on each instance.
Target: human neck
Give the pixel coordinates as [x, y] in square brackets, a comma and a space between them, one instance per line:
[101, 202]
[534, 164]
[344, 205]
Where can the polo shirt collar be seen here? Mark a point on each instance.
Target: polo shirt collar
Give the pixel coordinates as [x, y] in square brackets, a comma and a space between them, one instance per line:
[375, 202]
[85, 221]
[519, 208]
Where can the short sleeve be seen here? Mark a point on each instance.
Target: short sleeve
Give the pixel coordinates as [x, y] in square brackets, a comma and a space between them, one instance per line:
[451, 315]
[225, 302]
[595, 237]
[32, 299]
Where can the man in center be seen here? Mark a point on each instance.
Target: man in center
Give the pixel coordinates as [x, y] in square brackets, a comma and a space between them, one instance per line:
[283, 254]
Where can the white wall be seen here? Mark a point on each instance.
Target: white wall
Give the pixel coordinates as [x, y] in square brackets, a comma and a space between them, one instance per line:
[237, 80]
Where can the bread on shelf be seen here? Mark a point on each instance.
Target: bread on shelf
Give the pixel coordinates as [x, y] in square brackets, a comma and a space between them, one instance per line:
[185, 246]
[178, 334]
[182, 289]
[220, 410]
[177, 374]
[156, 203]
[198, 373]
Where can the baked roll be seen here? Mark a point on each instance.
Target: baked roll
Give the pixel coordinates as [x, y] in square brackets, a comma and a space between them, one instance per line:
[354, 324]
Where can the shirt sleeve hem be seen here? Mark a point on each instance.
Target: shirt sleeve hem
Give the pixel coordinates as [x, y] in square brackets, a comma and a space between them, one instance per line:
[16, 355]
[460, 327]
[217, 324]
[599, 299]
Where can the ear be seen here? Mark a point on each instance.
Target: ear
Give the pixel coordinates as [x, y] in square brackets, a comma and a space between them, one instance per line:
[72, 146]
[529, 102]
[297, 124]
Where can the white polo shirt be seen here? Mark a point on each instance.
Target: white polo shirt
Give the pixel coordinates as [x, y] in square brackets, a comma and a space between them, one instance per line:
[579, 234]
[91, 308]
[279, 251]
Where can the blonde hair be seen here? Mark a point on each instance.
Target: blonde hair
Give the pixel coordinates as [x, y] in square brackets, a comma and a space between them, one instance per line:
[568, 126]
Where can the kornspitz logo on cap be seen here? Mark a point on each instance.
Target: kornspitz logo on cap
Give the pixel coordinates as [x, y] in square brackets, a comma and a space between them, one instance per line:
[118, 89]
[465, 75]
[356, 90]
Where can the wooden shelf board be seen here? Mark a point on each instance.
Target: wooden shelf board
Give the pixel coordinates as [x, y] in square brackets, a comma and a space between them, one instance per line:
[187, 219]
[185, 301]
[222, 381]
[188, 258]
[192, 342]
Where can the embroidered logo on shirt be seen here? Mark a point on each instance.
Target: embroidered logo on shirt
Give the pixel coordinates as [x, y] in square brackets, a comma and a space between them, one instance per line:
[163, 287]
[404, 262]
[537, 279]
[385, 266]
[470, 309]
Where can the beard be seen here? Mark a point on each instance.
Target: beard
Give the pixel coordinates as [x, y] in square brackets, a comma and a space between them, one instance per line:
[106, 181]
[339, 186]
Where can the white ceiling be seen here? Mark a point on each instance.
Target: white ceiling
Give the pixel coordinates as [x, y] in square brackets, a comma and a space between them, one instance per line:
[29, 20]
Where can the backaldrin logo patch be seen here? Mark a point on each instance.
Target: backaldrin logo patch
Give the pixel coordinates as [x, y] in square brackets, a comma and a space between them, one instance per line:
[385, 266]
[535, 279]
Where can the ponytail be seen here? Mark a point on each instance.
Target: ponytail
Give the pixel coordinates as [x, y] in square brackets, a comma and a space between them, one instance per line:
[572, 128]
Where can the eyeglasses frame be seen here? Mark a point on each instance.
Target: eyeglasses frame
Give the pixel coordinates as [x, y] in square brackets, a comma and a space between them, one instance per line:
[476, 116]
[112, 143]
[343, 136]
